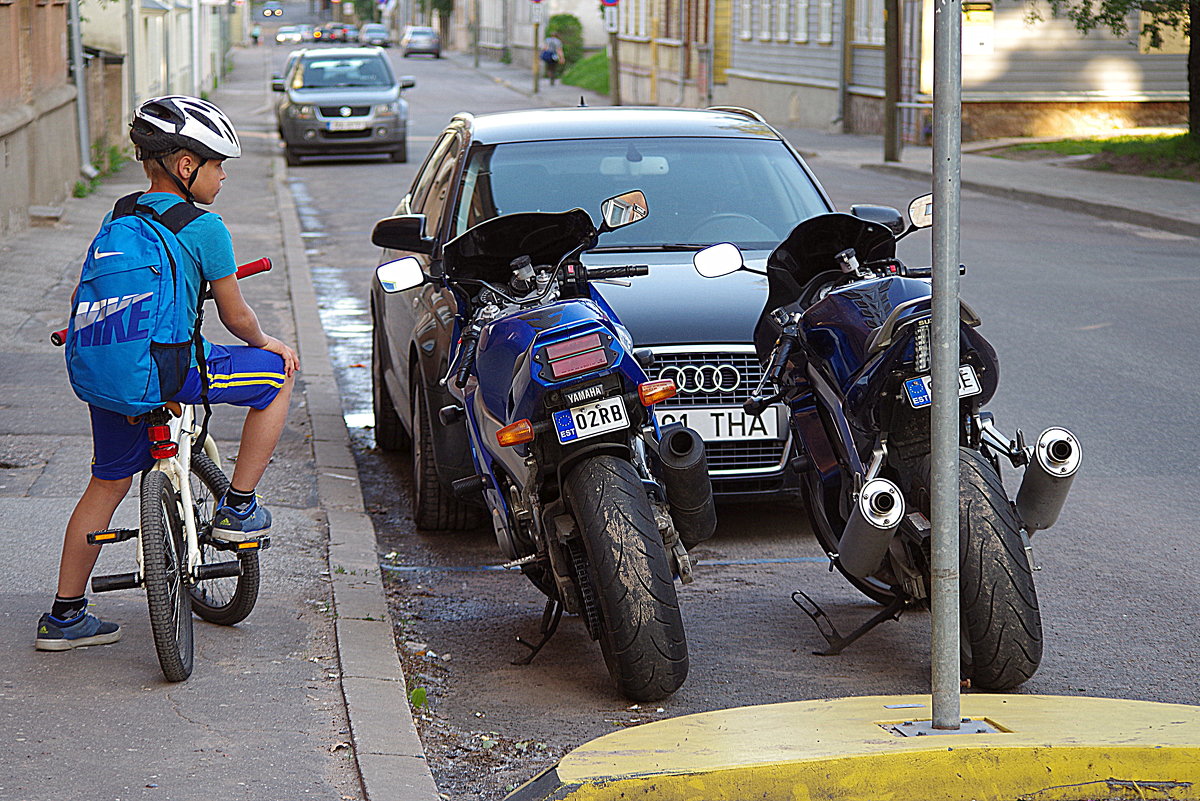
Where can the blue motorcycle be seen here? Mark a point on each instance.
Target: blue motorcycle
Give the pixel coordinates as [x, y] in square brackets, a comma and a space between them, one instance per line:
[592, 499]
[844, 341]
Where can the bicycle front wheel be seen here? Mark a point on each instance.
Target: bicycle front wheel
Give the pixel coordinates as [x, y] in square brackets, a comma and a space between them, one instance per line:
[229, 600]
[164, 564]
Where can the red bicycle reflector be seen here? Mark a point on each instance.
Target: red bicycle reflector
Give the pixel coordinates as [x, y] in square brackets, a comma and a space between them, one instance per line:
[515, 433]
[653, 392]
[163, 450]
[576, 356]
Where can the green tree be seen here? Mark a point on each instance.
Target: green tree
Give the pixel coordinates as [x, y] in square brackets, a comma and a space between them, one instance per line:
[1160, 16]
[569, 29]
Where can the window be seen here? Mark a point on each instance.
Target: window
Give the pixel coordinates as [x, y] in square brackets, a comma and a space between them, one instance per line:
[434, 203]
[825, 21]
[799, 20]
[868, 21]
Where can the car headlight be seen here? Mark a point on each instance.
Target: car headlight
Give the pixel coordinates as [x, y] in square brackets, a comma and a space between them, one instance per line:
[301, 112]
[387, 109]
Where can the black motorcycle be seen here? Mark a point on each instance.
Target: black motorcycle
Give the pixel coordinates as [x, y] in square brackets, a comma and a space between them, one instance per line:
[844, 339]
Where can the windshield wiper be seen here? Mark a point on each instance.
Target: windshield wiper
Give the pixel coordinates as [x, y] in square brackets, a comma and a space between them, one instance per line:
[670, 247]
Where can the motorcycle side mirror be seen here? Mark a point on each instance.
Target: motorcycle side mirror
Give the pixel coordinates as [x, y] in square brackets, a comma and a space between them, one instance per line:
[883, 215]
[920, 211]
[718, 260]
[401, 274]
[622, 210]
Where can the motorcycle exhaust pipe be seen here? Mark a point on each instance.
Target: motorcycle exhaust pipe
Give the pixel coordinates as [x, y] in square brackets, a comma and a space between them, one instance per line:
[689, 491]
[1048, 477]
[872, 524]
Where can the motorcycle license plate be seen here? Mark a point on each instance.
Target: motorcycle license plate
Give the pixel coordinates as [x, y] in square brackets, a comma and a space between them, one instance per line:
[590, 419]
[918, 388]
[723, 423]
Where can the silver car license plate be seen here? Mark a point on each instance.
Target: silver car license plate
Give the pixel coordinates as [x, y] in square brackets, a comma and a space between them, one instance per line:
[723, 423]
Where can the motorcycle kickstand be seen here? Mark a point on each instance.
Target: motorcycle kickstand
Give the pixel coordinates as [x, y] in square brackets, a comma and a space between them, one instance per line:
[550, 617]
[838, 643]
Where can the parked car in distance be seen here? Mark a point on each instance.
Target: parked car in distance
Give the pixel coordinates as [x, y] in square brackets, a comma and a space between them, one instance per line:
[420, 40]
[341, 100]
[272, 9]
[351, 33]
[718, 175]
[374, 34]
[306, 32]
[333, 32]
[288, 34]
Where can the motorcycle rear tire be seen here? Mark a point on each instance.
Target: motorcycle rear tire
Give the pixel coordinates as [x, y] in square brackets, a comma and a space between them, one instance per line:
[641, 630]
[1001, 618]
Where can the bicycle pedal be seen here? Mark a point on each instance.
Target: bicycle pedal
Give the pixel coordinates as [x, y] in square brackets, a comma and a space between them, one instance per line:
[111, 535]
[255, 544]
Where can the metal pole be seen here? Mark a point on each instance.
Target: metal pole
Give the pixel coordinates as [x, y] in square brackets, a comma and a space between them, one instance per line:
[614, 70]
[891, 80]
[131, 27]
[81, 97]
[537, 46]
[475, 12]
[944, 425]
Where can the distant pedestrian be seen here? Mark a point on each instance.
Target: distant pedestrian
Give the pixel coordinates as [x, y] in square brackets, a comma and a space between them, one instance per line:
[256, 34]
[552, 55]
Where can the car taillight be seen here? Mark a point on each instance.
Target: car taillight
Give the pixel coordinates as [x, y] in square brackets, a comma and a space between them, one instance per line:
[576, 356]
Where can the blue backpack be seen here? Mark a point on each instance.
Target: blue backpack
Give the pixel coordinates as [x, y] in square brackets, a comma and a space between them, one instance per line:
[134, 325]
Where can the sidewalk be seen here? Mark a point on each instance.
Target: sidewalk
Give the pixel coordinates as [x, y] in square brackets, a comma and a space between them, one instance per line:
[305, 699]
[1167, 205]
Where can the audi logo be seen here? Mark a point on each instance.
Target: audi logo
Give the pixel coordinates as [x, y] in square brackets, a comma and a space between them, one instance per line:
[694, 378]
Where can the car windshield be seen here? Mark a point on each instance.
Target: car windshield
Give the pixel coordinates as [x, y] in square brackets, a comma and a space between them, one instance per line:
[700, 190]
[326, 73]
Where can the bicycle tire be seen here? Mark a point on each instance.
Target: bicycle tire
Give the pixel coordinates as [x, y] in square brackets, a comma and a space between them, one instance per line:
[223, 601]
[163, 566]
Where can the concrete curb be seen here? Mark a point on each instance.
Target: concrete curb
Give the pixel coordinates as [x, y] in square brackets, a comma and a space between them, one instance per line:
[1039, 747]
[1096, 209]
[391, 760]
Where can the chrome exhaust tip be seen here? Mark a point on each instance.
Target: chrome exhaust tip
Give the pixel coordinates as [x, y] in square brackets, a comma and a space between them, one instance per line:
[1053, 462]
[873, 522]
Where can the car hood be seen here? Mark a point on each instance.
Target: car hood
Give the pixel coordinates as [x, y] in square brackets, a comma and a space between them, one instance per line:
[346, 95]
[674, 305]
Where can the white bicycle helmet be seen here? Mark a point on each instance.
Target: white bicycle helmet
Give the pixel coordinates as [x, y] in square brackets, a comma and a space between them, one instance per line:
[163, 125]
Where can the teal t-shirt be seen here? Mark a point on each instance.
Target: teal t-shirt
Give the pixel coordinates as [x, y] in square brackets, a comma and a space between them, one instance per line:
[206, 245]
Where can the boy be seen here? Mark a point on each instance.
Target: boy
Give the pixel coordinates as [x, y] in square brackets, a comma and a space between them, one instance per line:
[182, 143]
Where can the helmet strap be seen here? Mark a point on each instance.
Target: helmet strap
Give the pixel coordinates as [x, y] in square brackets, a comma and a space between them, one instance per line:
[185, 189]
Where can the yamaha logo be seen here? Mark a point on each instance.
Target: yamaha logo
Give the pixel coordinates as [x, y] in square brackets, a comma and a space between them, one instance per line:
[695, 378]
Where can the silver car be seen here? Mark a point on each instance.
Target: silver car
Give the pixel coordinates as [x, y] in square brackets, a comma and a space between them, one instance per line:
[374, 34]
[419, 39]
[342, 100]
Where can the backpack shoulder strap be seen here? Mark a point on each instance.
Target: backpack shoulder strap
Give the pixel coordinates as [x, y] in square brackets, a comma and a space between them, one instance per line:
[126, 205]
[179, 216]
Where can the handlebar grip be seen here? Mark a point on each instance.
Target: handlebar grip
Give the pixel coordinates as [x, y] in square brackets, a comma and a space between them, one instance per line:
[59, 338]
[629, 271]
[786, 344]
[468, 361]
[253, 268]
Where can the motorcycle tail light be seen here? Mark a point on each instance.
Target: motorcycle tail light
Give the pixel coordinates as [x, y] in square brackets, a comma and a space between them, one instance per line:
[515, 433]
[575, 356]
[653, 392]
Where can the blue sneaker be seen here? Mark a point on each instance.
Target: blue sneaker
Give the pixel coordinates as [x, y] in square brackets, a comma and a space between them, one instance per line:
[233, 524]
[83, 629]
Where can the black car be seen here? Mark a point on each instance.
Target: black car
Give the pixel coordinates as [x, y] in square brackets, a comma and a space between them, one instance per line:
[709, 176]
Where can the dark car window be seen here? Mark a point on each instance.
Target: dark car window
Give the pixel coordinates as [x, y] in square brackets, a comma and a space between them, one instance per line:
[323, 72]
[700, 190]
[433, 205]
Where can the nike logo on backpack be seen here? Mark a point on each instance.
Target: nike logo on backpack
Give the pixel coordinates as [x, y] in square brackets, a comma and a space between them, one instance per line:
[96, 254]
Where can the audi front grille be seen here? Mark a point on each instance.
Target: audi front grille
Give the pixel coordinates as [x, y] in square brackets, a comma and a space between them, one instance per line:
[721, 375]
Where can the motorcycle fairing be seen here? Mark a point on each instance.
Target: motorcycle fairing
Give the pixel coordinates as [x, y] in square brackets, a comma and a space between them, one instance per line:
[486, 251]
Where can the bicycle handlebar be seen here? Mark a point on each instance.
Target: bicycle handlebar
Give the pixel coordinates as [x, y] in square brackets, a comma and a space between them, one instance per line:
[59, 338]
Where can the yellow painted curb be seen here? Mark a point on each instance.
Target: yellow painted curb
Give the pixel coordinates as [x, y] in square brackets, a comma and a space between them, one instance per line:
[1044, 748]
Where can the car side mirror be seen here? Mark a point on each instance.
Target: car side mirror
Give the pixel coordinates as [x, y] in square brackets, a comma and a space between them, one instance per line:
[276, 83]
[398, 275]
[405, 232]
[884, 215]
[920, 211]
[718, 260]
[408, 82]
[624, 209]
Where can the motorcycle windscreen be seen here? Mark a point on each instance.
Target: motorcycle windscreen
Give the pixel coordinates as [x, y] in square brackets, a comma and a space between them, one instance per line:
[808, 251]
[486, 252]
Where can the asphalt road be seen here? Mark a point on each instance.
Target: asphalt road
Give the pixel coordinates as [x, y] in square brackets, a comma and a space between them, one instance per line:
[1094, 325]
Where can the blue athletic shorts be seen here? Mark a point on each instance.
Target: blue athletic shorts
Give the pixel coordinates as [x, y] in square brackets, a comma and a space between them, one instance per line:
[238, 376]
